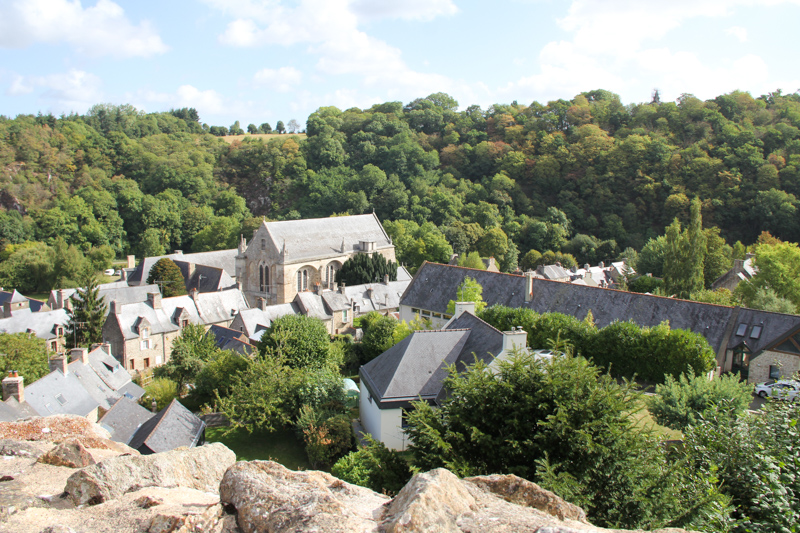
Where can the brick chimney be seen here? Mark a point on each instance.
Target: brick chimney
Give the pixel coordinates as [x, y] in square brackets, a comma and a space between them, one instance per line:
[59, 362]
[386, 279]
[262, 304]
[154, 299]
[528, 285]
[514, 339]
[341, 288]
[114, 307]
[14, 385]
[131, 261]
[79, 354]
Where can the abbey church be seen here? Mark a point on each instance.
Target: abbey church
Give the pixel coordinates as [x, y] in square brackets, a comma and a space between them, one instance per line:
[284, 258]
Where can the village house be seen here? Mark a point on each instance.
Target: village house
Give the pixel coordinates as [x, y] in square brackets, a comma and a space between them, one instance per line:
[141, 334]
[47, 325]
[87, 384]
[758, 344]
[294, 256]
[415, 369]
[108, 292]
[204, 271]
[742, 270]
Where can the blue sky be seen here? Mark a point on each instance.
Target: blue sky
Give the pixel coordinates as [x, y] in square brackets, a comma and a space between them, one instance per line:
[267, 60]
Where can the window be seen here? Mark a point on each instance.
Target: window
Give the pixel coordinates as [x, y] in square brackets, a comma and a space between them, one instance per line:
[54, 346]
[404, 418]
[60, 331]
[263, 244]
[344, 315]
[61, 399]
[147, 362]
[263, 278]
[741, 330]
[756, 333]
[774, 372]
[145, 333]
[133, 364]
[184, 323]
[302, 280]
[144, 345]
[330, 275]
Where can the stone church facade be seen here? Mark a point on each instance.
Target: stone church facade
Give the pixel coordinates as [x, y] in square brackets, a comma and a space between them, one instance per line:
[293, 256]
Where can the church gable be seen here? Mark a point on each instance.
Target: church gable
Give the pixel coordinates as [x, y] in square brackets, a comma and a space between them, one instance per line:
[263, 243]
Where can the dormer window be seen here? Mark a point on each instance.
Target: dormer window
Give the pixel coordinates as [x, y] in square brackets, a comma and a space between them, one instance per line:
[741, 330]
[756, 333]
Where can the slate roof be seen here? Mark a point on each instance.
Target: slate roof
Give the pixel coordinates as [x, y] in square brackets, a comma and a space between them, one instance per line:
[312, 305]
[319, 237]
[172, 427]
[42, 324]
[255, 319]
[416, 367]
[56, 394]
[552, 272]
[382, 297]
[435, 284]
[222, 306]
[11, 410]
[160, 320]
[118, 290]
[205, 278]
[223, 259]
[230, 339]
[123, 419]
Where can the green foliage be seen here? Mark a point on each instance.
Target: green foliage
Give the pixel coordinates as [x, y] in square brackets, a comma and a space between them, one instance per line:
[26, 354]
[378, 337]
[216, 376]
[756, 461]
[720, 296]
[472, 260]
[301, 340]
[328, 440]
[86, 317]
[778, 270]
[190, 351]
[562, 424]
[469, 291]
[686, 401]
[162, 390]
[364, 268]
[684, 256]
[168, 276]
[646, 284]
[375, 467]
[320, 389]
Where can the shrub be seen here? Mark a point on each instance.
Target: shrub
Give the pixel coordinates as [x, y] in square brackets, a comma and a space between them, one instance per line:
[302, 340]
[375, 467]
[162, 390]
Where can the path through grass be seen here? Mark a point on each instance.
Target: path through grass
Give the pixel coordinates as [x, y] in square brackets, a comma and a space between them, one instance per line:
[281, 446]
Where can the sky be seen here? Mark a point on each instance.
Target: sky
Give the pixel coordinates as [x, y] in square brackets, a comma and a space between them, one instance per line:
[261, 61]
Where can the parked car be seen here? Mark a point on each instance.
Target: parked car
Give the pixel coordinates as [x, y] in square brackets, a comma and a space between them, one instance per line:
[109, 272]
[784, 389]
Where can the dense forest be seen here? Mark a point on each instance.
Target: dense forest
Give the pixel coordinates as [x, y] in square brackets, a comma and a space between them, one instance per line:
[590, 177]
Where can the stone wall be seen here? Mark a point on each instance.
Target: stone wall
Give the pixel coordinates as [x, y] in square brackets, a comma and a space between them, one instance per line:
[759, 366]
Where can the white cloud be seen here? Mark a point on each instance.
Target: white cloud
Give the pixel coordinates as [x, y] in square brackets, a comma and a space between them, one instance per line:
[207, 102]
[331, 29]
[96, 31]
[738, 32]
[75, 90]
[282, 80]
[403, 9]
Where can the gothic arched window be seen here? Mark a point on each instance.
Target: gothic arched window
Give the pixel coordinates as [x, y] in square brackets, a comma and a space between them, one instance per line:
[302, 280]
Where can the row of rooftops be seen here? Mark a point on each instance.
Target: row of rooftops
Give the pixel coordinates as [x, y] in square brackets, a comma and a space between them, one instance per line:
[435, 284]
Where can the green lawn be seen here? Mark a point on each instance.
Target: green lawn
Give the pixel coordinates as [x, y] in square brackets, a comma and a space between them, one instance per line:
[281, 446]
[643, 418]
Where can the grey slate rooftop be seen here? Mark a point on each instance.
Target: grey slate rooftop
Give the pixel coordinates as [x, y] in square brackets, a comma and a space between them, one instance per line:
[172, 427]
[124, 419]
[436, 284]
[42, 324]
[318, 237]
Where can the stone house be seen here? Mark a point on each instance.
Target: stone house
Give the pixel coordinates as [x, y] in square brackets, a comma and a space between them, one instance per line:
[47, 325]
[108, 292]
[758, 344]
[415, 369]
[742, 270]
[141, 334]
[294, 256]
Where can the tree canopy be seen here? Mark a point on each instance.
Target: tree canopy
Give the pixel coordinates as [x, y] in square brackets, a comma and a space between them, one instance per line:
[168, 276]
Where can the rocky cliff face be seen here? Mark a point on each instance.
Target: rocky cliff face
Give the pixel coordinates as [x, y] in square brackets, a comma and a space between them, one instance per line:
[62, 474]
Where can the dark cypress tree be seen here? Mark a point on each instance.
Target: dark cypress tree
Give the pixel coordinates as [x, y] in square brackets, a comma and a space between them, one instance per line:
[87, 316]
[363, 268]
[168, 277]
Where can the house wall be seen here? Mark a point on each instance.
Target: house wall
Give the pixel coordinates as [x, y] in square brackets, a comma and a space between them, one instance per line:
[385, 425]
[160, 346]
[759, 366]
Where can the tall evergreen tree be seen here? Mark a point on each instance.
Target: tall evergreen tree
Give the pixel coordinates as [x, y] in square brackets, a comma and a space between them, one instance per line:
[168, 276]
[87, 316]
[684, 255]
[363, 268]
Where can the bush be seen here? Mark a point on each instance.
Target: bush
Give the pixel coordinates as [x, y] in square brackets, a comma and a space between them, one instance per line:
[327, 441]
[689, 399]
[162, 390]
[375, 467]
[378, 337]
[302, 340]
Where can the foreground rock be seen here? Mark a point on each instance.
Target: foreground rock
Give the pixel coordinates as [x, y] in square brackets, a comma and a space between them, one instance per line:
[199, 468]
[71, 454]
[270, 497]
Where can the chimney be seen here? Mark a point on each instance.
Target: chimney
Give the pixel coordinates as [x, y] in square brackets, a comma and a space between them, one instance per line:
[193, 293]
[123, 274]
[464, 306]
[80, 354]
[262, 304]
[738, 265]
[14, 385]
[59, 362]
[369, 293]
[601, 264]
[528, 286]
[60, 299]
[178, 252]
[514, 339]
[318, 288]
[6, 309]
[540, 269]
[114, 308]
[154, 299]
[586, 266]
[341, 288]
[386, 279]
[131, 261]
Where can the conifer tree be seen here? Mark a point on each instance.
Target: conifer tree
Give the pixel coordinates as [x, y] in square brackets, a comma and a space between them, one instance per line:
[363, 268]
[86, 317]
[169, 278]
